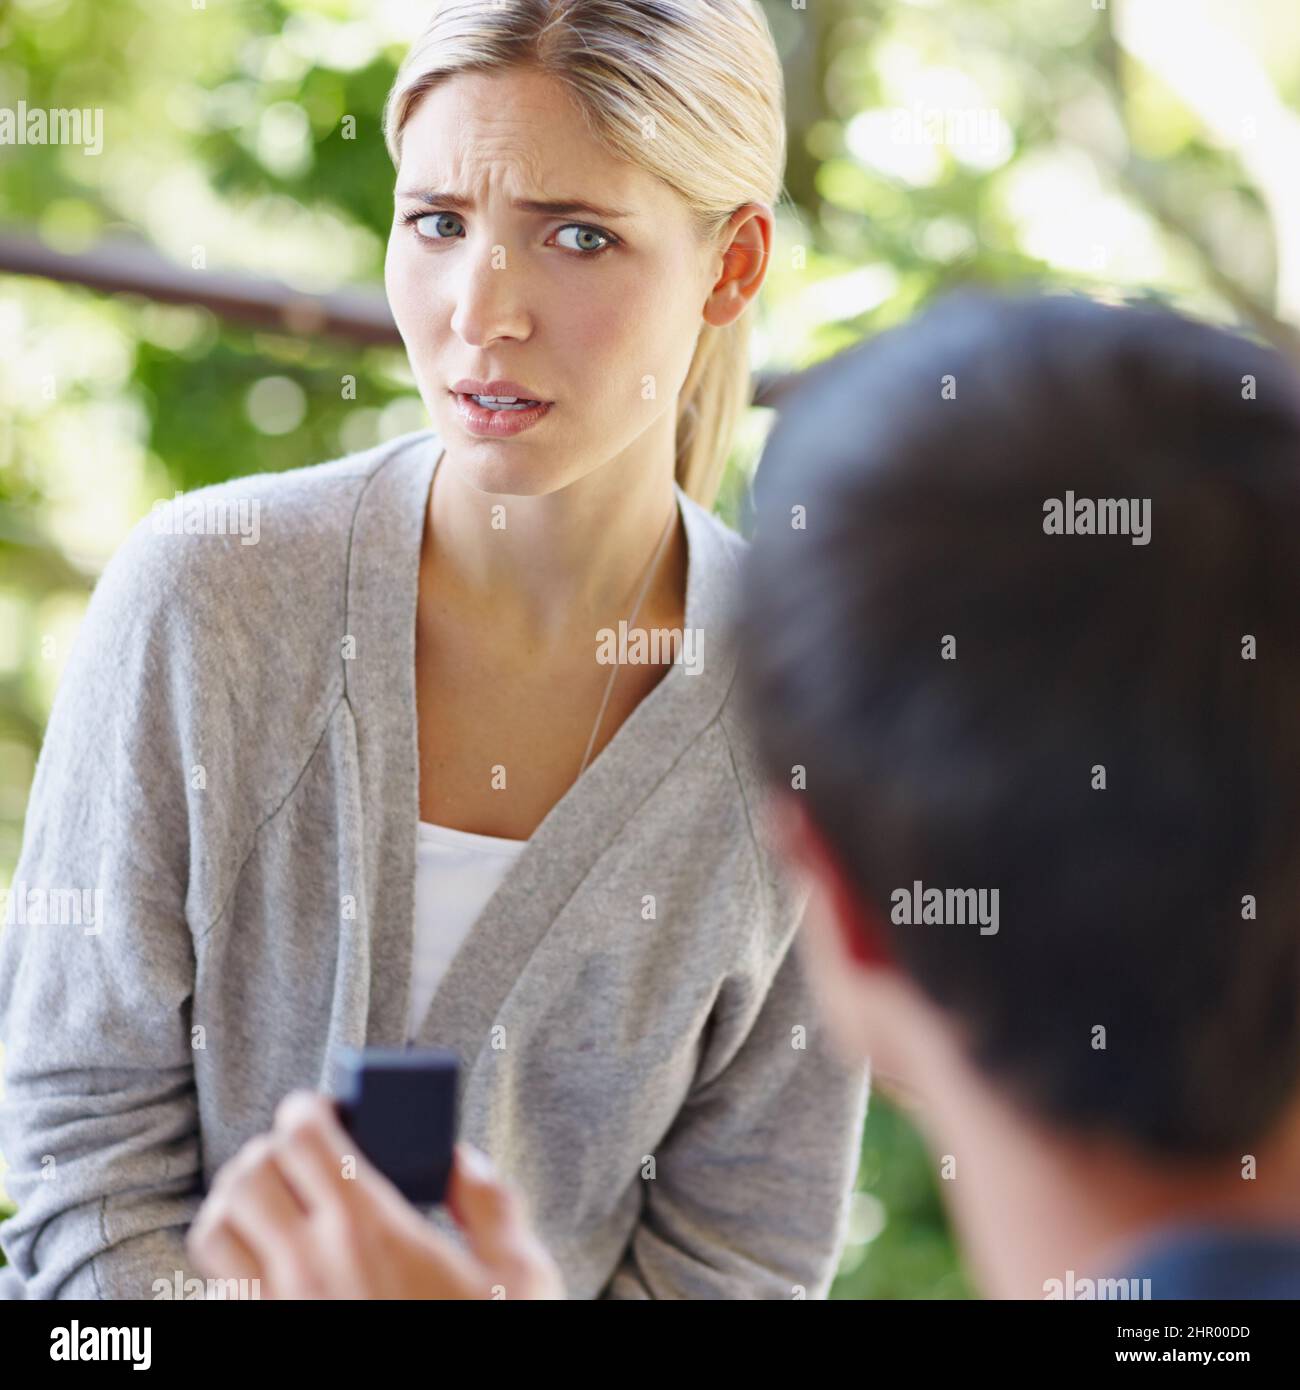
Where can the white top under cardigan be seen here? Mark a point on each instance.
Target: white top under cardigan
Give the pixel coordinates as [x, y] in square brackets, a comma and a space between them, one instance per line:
[456, 872]
[232, 757]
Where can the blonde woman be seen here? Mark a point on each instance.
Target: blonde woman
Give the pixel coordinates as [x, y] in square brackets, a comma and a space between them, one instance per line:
[376, 779]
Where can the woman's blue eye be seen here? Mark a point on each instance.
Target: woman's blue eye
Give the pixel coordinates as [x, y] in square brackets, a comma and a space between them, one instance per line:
[418, 217]
[606, 239]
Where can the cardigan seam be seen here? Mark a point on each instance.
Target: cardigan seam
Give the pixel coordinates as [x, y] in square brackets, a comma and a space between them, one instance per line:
[266, 820]
[103, 1230]
[749, 820]
[320, 738]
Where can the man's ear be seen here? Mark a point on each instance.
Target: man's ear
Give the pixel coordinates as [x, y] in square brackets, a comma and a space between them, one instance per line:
[804, 847]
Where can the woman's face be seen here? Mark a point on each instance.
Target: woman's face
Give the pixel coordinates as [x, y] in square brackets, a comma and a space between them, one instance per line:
[596, 312]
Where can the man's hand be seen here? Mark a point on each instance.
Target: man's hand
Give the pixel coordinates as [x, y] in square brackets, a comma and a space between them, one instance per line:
[282, 1212]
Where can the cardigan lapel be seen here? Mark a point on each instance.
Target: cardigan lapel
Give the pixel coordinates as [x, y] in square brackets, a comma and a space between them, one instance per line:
[379, 683]
[383, 591]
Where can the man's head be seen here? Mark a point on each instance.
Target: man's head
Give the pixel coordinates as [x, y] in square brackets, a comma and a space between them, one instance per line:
[1022, 617]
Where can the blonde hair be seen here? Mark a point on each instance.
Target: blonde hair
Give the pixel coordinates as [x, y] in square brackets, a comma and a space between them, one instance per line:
[689, 91]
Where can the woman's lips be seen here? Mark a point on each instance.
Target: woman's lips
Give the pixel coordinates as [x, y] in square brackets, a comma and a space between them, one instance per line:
[497, 424]
[498, 386]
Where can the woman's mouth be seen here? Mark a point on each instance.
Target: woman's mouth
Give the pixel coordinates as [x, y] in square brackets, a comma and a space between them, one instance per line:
[499, 416]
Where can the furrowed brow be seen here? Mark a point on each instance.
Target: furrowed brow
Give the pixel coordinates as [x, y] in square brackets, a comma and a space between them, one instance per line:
[565, 207]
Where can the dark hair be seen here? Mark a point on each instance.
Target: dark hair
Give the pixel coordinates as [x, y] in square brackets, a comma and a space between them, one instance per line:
[925, 460]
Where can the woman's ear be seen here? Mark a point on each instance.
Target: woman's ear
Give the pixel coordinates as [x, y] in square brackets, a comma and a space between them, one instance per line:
[746, 253]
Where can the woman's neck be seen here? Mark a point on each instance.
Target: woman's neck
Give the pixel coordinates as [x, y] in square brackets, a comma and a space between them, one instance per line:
[564, 563]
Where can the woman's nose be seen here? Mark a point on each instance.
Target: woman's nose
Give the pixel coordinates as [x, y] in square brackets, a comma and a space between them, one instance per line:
[490, 296]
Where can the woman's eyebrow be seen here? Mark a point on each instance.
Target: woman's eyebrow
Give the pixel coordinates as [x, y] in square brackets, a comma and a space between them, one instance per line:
[564, 207]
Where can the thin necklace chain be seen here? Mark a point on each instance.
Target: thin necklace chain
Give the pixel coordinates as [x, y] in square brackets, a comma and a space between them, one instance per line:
[645, 584]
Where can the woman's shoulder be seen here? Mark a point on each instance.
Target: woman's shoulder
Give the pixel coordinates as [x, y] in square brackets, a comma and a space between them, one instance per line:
[725, 547]
[217, 555]
[216, 625]
[779, 895]
[228, 601]
[256, 516]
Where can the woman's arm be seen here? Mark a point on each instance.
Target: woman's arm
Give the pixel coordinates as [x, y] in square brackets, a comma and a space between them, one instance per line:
[99, 1123]
[752, 1183]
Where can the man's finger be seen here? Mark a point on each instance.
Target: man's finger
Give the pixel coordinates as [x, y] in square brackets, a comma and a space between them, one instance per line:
[217, 1251]
[310, 1148]
[262, 1210]
[489, 1211]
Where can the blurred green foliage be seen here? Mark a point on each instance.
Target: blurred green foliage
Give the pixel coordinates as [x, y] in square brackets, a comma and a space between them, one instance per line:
[1119, 151]
[899, 1243]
